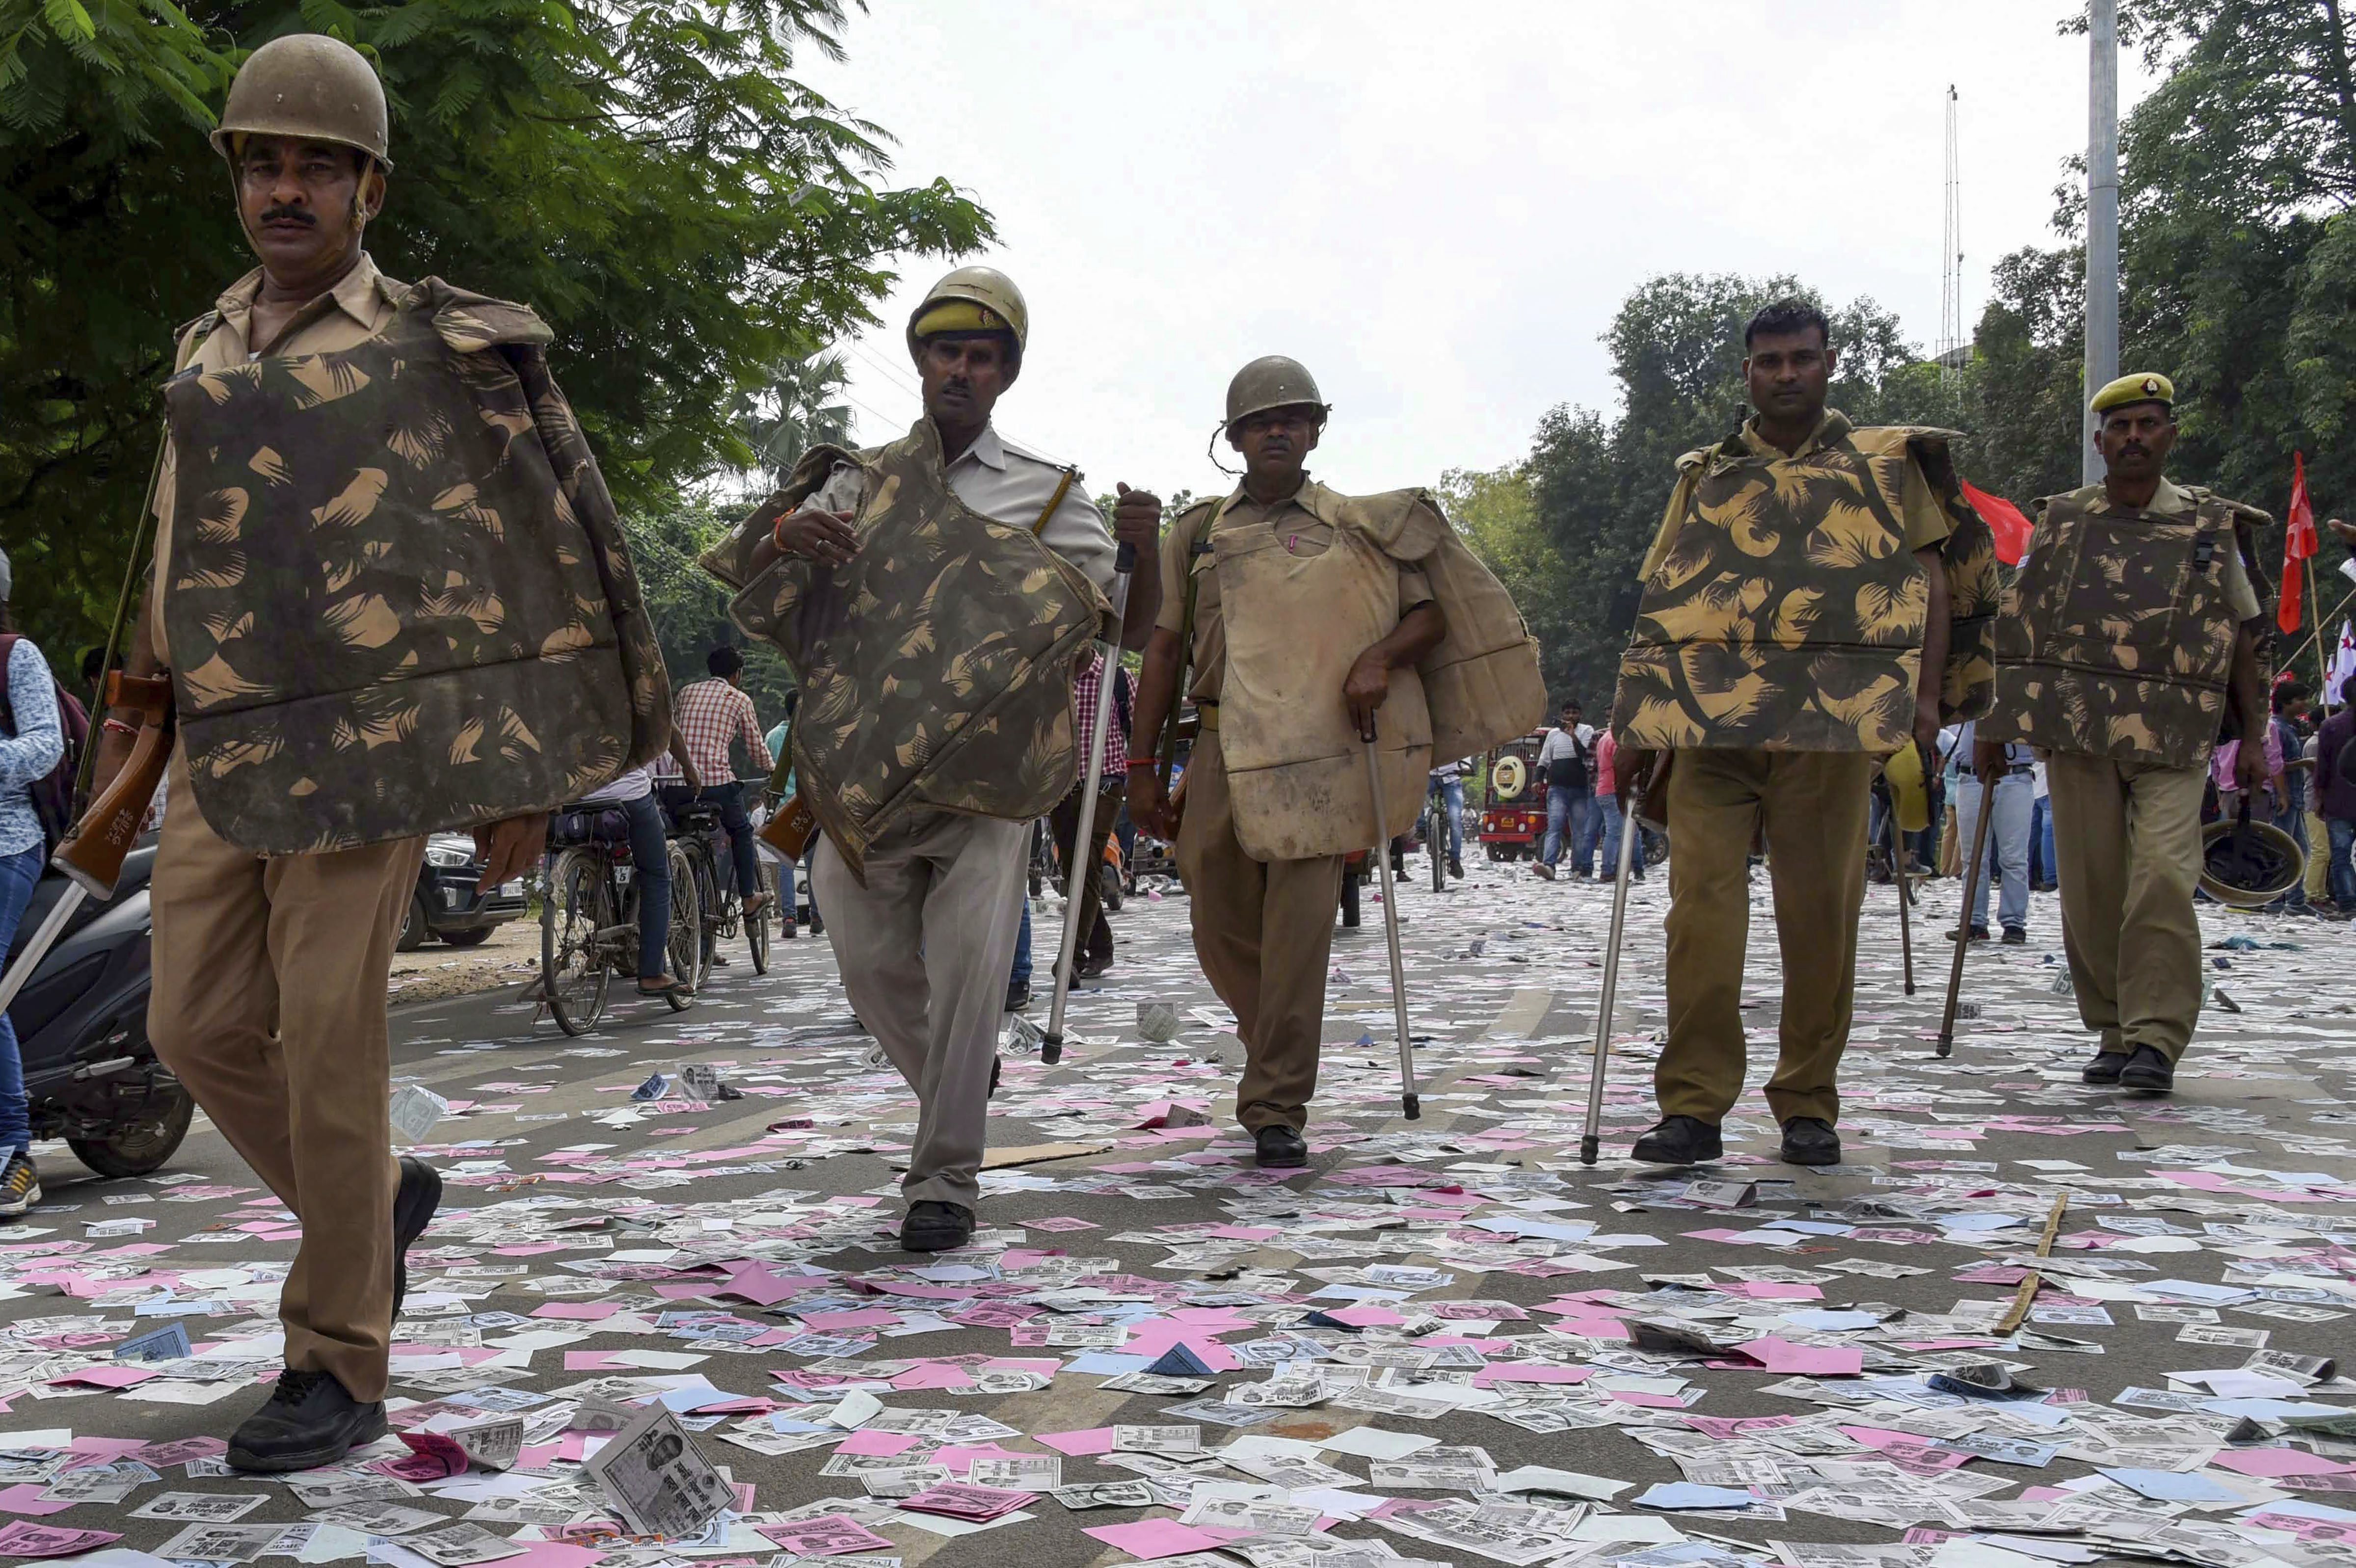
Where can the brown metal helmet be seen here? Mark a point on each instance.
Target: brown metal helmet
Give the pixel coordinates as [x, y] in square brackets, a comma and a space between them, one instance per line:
[1272, 382]
[311, 86]
[2247, 864]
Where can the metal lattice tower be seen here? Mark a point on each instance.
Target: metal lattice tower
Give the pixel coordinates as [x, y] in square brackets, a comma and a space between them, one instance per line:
[1954, 347]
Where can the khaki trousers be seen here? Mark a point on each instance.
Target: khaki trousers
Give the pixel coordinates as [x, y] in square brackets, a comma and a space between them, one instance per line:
[1264, 933]
[925, 948]
[1095, 931]
[2127, 838]
[269, 1005]
[1813, 805]
[2319, 852]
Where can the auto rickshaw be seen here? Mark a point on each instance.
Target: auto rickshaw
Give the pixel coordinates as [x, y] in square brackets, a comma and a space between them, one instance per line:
[1513, 802]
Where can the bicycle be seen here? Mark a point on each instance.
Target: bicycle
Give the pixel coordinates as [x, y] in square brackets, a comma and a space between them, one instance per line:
[696, 826]
[589, 917]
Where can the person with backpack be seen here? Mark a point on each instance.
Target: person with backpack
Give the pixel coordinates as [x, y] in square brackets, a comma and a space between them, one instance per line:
[2335, 771]
[1567, 766]
[32, 752]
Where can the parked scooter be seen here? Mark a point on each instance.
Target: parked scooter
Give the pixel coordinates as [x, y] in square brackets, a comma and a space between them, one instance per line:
[81, 1029]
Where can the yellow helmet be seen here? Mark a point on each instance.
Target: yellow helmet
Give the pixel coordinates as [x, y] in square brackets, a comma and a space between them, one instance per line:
[1908, 792]
[310, 86]
[990, 303]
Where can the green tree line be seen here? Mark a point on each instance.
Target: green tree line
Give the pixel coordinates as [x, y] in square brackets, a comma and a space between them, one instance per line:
[692, 220]
[2238, 279]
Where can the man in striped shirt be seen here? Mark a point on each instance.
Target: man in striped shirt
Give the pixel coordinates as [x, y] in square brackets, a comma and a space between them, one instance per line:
[710, 717]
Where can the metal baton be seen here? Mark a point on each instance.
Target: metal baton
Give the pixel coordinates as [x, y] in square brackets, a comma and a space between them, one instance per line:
[1411, 1105]
[1974, 870]
[1630, 831]
[1051, 1044]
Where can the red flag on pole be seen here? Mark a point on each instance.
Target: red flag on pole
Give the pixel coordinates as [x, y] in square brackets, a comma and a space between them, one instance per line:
[2004, 520]
[2298, 544]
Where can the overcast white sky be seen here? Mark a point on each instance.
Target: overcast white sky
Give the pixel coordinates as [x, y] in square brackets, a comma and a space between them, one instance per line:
[1436, 207]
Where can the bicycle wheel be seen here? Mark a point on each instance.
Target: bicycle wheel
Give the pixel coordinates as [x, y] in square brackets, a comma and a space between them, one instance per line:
[686, 946]
[756, 926]
[711, 902]
[573, 975]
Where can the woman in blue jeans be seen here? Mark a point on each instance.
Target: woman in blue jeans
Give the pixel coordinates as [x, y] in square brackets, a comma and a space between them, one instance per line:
[32, 745]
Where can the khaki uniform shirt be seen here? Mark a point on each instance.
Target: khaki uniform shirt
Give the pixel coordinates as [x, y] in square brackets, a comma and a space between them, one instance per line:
[1306, 519]
[354, 311]
[2170, 501]
[1918, 509]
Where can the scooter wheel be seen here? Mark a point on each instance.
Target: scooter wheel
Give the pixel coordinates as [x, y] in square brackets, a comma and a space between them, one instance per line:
[137, 1148]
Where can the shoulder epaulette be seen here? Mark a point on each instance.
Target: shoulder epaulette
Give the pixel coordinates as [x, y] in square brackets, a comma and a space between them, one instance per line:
[2244, 513]
[189, 336]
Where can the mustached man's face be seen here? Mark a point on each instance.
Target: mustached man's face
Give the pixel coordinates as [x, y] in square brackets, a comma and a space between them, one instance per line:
[304, 203]
[962, 379]
[2135, 440]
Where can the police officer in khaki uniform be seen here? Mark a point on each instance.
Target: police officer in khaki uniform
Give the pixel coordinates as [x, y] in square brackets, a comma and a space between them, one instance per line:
[1794, 628]
[269, 973]
[923, 927]
[1263, 924]
[2127, 577]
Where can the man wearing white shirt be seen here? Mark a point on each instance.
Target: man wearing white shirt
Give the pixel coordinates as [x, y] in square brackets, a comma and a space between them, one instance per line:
[924, 938]
[2016, 792]
[1566, 765]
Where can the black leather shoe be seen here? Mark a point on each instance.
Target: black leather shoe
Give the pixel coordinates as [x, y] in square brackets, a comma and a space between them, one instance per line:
[2147, 1071]
[1810, 1140]
[1678, 1140]
[1978, 934]
[1456, 867]
[2015, 937]
[1278, 1147]
[997, 1066]
[1018, 996]
[2104, 1070]
[413, 1203]
[936, 1227]
[308, 1422]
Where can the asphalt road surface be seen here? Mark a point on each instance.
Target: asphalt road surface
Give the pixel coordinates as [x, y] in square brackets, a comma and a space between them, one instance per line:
[576, 1219]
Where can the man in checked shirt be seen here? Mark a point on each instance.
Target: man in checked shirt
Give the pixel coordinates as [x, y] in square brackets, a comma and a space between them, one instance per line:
[710, 715]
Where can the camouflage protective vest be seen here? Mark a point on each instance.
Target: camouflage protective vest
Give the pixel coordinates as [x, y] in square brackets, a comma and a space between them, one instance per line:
[2117, 639]
[1296, 767]
[1788, 612]
[400, 599]
[935, 666]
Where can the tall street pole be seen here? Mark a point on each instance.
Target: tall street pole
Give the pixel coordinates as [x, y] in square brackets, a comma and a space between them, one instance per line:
[2102, 218]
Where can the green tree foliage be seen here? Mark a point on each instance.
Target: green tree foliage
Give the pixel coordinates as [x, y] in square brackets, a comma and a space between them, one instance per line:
[1496, 512]
[650, 177]
[689, 606]
[2237, 262]
[795, 411]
